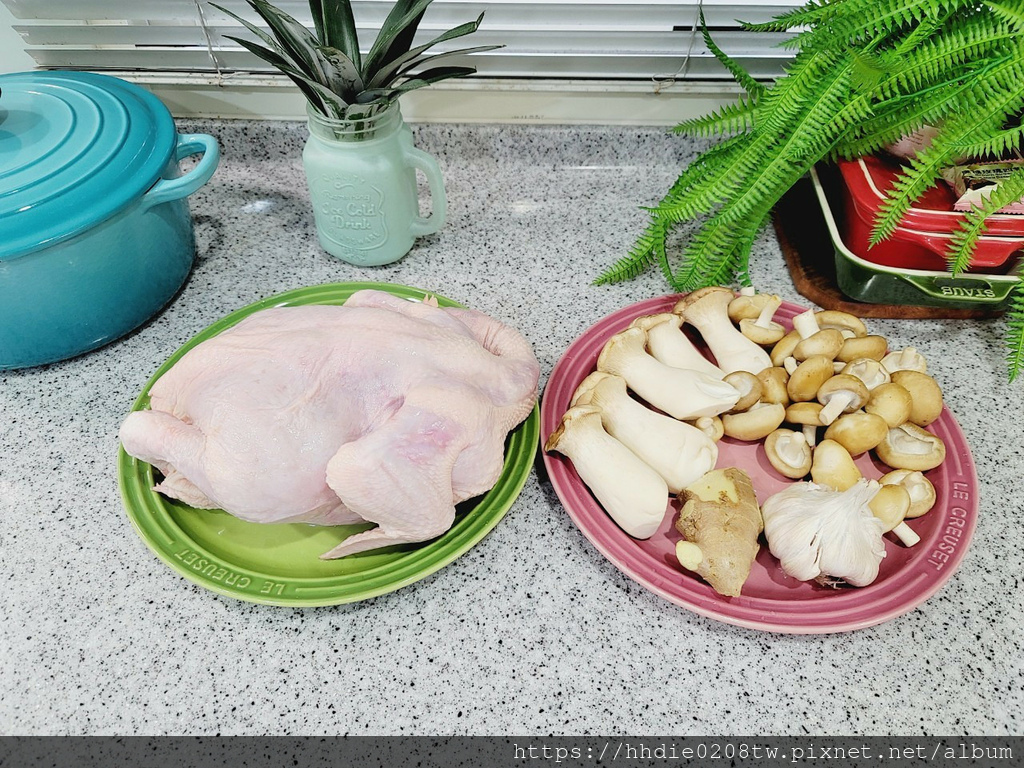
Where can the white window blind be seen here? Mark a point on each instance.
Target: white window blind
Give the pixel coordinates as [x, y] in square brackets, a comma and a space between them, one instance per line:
[605, 40]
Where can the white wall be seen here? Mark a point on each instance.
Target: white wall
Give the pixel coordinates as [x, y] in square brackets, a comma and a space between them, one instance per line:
[12, 54]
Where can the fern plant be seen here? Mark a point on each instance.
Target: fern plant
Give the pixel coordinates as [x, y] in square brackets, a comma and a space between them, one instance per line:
[865, 73]
[335, 76]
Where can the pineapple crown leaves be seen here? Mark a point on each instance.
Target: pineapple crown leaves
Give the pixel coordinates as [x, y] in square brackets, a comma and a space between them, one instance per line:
[327, 65]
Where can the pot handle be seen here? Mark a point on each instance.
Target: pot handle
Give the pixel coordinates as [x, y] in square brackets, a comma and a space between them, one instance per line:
[166, 190]
[428, 225]
[974, 289]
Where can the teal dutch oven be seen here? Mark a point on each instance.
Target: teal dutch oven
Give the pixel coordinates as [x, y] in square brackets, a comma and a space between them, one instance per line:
[95, 230]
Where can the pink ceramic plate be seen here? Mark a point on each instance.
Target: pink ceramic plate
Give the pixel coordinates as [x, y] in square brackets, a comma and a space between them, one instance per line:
[771, 600]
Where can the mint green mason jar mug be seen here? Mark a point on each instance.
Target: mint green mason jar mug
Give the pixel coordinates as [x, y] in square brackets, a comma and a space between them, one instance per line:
[362, 183]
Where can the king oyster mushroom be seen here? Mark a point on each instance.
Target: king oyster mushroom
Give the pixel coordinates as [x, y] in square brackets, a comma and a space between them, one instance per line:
[633, 494]
[683, 394]
[667, 342]
[707, 310]
[677, 451]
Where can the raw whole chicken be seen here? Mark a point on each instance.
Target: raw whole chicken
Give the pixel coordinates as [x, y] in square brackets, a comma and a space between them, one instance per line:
[382, 410]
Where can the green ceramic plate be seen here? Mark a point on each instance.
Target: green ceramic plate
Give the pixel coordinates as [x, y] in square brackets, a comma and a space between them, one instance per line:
[280, 564]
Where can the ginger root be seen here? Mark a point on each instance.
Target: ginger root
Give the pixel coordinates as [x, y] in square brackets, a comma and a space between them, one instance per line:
[720, 522]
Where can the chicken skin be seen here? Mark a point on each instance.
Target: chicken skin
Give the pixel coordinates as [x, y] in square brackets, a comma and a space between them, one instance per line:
[382, 410]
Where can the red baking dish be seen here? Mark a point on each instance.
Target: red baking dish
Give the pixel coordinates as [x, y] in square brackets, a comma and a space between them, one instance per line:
[922, 238]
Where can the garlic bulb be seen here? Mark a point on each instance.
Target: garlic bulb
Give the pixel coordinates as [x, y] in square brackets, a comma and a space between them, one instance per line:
[817, 532]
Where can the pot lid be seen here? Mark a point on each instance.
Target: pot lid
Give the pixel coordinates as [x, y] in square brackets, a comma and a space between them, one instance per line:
[75, 148]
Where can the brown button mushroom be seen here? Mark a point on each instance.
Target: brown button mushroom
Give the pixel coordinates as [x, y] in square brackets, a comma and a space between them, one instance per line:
[892, 402]
[754, 424]
[908, 359]
[825, 342]
[773, 385]
[920, 488]
[847, 324]
[924, 393]
[785, 348]
[745, 307]
[857, 347]
[808, 377]
[710, 426]
[789, 453]
[832, 465]
[890, 505]
[867, 370]
[841, 394]
[857, 432]
[808, 416]
[748, 385]
[764, 335]
[908, 446]
[759, 326]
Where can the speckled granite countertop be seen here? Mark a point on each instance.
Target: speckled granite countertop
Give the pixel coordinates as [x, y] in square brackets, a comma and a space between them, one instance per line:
[532, 631]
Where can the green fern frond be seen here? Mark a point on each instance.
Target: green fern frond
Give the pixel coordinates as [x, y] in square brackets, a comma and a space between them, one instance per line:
[943, 58]
[983, 118]
[1011, 12]
[811, 13]
[1006, 142]
[707, 181]
[965, 237]
[860, 21]
[640, 257]
[732, 118]
[748, 83]
[896, 118]
[1015, 331]
[722, 246]
[923, 32]
[802, 85]
[865, 73]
